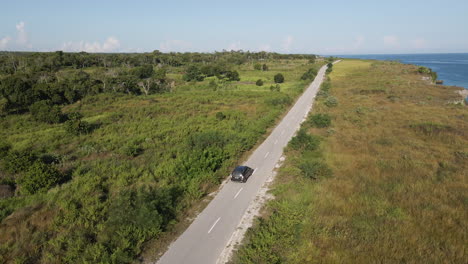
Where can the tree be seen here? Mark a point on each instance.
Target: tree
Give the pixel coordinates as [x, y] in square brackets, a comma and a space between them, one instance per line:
[44, 111]
[257, 66]
[264, 67]
[259, 82]
[143, 72]
[232, 76]
[193, 73]
[309, 75]
[17, 90]
[279, 78]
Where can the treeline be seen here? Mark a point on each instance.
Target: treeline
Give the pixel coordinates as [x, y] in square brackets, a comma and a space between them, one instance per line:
[13, 62]
[60, 78]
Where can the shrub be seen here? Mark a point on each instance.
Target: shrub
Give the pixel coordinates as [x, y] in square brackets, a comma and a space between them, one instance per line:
[213, 85]
[44, 111]
[325, 86]
[275, 88]
[264, 67]
[257, 66]
[232, 76]
[330, 67]
[309, 75]
[18, 161]
[279, 100]
[424, 70]
[76, 126]
[304, 141]
[132, 150]
[4, 149]
[40, 177]
[259, 82]
[220, 116]
[279, 78]
[315, 169]
[320, 120]
[331, 101]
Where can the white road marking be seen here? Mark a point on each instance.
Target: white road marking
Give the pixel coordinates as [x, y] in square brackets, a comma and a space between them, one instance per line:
[238, 192]
[254, 171]
[276, 142]
[266, 155]
[214, 225]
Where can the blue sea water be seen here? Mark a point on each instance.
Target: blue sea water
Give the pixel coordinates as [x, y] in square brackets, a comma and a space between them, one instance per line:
[452, 68]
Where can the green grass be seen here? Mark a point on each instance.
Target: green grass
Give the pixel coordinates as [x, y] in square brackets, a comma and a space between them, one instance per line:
[397, 192]
[139, 174]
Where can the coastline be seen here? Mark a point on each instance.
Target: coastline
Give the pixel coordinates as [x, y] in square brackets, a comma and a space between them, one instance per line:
[450, 67]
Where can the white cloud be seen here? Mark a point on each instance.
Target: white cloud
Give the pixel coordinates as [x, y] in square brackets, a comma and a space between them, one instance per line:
[4, 42]
[174, 45]
[111, 44]
[391, 41]
[265, 47]
[234, 46]
[418, 43]
[22, 39]
[287, 43]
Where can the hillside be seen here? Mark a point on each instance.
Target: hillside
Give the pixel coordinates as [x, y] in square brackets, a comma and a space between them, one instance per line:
[377, 174]
[105, 154]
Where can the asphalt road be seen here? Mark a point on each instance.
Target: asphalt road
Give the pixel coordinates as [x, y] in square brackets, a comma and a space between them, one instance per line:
[206, 237]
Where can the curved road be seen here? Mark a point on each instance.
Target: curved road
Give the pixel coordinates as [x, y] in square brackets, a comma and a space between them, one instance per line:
[206, 237]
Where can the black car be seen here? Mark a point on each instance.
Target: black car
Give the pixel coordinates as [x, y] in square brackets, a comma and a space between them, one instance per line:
[241, 173]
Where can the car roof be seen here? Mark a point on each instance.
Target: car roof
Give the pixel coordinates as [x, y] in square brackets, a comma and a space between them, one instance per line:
[240, 168]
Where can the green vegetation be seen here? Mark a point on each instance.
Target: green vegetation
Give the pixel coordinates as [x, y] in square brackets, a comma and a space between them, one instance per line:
[386, 184]
[428, 71]
[279, 78]
[107, 155]
[259, 82]
[320, 120]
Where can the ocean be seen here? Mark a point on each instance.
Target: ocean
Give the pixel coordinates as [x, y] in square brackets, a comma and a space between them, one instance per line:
[452, 68]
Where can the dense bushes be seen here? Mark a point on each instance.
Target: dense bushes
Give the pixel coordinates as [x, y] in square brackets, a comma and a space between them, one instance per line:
[259, 82]
[44, 111]
[426, 70]
[4, 148]
[76, 126]
[193, 73]
[304, 141]
[331, 101]
[329, 68]
[320, 120]
[309, 74]
[18, 161]
[40, 177]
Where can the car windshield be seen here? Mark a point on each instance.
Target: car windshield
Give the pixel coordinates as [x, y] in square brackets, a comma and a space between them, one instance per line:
[238, 171]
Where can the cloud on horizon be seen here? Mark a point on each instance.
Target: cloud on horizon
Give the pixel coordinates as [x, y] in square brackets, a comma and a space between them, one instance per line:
[111, 44]
[175, 46]
[391, 41]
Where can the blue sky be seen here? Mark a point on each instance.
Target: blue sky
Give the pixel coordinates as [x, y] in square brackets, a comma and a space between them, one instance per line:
[319, 27]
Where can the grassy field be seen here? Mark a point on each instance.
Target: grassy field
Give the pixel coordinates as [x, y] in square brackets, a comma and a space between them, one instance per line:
[387, 184]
